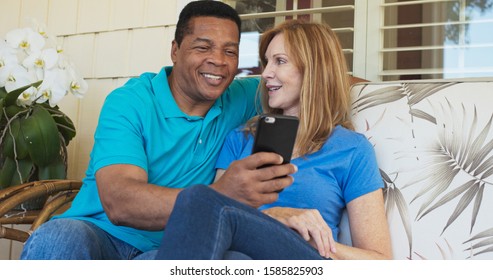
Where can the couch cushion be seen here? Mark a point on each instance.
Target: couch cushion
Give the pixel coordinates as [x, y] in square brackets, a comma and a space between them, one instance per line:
[433, 141]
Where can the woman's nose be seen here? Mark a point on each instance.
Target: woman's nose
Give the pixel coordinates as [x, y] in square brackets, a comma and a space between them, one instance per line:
[268, 72]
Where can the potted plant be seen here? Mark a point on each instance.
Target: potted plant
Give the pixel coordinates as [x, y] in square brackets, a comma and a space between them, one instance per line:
[34, 132]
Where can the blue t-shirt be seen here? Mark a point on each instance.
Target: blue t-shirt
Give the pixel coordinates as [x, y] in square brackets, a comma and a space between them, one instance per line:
[342, 170]
[141, 124]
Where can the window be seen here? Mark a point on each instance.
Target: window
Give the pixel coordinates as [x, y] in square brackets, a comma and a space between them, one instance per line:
[387, 39]
[260, 15]
[436, 39]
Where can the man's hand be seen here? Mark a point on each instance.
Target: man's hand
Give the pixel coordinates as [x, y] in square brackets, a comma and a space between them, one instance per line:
[243, 181]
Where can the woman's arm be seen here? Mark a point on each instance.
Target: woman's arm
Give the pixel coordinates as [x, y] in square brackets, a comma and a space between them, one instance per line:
[369, 229]
[368, 223]
[219, 173]
[310, 224]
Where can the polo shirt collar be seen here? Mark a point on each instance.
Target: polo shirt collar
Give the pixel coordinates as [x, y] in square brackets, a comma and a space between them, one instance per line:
[168, 104]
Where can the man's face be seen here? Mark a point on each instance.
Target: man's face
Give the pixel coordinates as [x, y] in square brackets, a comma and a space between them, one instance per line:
[206, 61]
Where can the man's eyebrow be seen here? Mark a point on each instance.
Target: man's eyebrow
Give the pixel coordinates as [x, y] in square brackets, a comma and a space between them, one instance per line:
[232, 44]
[204, 40]
[210, 42]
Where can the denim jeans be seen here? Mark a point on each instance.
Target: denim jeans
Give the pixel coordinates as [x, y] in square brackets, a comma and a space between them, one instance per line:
[205, 224]
[70, 239]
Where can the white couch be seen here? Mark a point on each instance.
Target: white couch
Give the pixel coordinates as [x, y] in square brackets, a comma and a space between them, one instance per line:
[433, 140]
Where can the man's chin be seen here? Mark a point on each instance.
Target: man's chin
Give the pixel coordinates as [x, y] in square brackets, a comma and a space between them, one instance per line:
[213, 92]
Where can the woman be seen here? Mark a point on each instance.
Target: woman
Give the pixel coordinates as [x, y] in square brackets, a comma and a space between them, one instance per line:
[304, 75]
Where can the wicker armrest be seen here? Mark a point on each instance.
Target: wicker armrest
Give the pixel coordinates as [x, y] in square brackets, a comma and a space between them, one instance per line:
[59, 192]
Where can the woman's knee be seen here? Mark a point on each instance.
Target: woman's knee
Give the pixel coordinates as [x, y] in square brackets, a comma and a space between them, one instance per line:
[197, 194]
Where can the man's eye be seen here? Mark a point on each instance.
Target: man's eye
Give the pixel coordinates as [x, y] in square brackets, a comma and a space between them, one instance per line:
[201, 48]
[231, 53]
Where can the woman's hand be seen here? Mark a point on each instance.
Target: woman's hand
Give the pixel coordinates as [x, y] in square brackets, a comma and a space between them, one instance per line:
[309, 224]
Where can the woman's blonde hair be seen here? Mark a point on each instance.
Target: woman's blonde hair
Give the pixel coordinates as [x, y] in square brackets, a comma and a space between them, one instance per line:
[324, 98]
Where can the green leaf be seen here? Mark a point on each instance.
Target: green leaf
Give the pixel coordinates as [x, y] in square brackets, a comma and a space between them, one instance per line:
[6, 173]
[1, 113]
[15, 136]
[3, 92]
[12, 96]
[41, 135]
[65, 125]
[12, 110]
[24, 168]
[55, 170]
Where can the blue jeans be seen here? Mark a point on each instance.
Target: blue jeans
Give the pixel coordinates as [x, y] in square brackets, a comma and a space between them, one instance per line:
[205, 224]
[69, 239]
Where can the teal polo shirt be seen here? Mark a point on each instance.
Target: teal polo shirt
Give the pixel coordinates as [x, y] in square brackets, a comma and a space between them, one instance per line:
[141, 124]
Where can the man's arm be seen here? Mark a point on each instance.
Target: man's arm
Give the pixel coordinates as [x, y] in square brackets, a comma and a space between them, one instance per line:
[129, 200]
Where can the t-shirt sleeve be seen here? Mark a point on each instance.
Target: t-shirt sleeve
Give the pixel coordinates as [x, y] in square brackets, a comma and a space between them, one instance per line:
[363, 174]
[232, 149]
[118, 137]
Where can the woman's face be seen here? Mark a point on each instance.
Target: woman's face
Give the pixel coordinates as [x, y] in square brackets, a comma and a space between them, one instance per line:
[282, 78]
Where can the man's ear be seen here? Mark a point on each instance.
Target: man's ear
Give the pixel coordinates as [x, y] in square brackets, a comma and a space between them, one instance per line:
[174, 49]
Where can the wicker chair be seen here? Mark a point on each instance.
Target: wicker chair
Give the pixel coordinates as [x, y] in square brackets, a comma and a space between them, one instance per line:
[59, 194]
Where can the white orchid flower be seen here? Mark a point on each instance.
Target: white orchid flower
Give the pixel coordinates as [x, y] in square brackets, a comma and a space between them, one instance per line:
[8, 59]
[76, 84]
[53, 88]
[27, 97]
[25, 59]
[8, 55]
[5, 73]
[32, 59]
[40, 28]
[25, 39]
[41, 61]
[14, 77]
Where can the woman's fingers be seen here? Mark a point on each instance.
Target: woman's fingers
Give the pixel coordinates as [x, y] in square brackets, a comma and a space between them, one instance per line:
[313, 228]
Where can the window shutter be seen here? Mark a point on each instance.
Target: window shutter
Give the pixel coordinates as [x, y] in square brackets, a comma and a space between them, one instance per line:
[260, 15]
[428, 39]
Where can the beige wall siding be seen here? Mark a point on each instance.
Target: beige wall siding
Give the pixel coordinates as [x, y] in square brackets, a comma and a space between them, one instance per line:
[109, 41]
[62, 18]
[10, 15]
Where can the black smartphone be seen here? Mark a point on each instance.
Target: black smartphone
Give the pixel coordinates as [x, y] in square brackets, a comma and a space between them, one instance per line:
[277, 134]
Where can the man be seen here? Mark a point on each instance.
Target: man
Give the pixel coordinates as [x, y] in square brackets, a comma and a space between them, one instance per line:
[158, 134]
